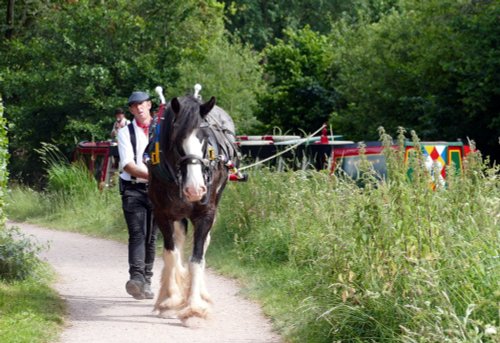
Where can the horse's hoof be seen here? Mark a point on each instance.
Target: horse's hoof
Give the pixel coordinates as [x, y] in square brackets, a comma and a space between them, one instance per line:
[200, 311]
[168, 314]
[171, 303]
[194, 322]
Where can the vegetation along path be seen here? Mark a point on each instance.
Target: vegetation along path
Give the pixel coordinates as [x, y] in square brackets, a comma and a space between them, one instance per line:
[92, 275]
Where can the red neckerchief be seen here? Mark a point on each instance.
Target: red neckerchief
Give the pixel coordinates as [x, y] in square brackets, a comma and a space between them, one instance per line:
[144, 127]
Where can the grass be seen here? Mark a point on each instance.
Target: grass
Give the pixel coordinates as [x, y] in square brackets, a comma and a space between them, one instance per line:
[84, 209]
[30, 311]
[396, 261]
[380, 264]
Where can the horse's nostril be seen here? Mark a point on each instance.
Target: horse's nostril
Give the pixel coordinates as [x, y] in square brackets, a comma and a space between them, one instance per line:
[195, 192]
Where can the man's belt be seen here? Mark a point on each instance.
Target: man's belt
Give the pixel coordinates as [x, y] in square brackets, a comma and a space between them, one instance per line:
[134, 184]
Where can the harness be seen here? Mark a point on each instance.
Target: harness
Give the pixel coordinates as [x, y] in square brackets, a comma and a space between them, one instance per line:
[218, 148]
[133, 141]
[159, 165]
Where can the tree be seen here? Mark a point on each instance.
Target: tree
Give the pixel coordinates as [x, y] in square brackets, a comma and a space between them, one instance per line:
[433, 66]
[63, 77]
[231, 72]
[261, 22]
[21, 15]
[299, 93]
[10, 19]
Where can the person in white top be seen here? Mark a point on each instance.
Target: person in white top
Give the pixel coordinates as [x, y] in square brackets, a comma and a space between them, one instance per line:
[132, 141]
[120, 122]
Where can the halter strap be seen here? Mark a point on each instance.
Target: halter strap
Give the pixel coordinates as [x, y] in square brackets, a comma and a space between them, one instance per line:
[192, 159]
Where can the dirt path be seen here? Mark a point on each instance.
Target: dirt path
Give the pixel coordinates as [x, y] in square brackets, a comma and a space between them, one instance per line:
[92, 275]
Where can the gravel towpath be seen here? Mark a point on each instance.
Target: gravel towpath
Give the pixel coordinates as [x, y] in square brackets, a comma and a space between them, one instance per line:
[92, 274]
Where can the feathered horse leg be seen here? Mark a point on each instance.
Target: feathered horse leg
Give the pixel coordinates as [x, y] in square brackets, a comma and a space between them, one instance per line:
[198, 298]
[172, 293]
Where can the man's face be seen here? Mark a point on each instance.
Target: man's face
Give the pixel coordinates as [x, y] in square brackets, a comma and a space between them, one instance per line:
[120, 116]
[141, 110]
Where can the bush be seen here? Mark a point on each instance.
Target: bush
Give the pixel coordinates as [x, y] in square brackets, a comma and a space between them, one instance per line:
[18, 258]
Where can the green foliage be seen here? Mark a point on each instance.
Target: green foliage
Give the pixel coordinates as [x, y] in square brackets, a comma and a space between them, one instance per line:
[24, 15]
[71, 198]
[63, 177]
[28, 203]
[260, 22]
[18, 259]
[393, 261]
[29, 310]
[63, 75]
[431, 66]
[4, 157]
[77, 207]
[232, 74]
[55, 75]
[299, 93]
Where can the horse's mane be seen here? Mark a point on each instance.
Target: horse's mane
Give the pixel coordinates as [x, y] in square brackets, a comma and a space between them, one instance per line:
[178, 126]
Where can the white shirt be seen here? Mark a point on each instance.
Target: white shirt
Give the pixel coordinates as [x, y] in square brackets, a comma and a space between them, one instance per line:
[127, 153]
[117, 125]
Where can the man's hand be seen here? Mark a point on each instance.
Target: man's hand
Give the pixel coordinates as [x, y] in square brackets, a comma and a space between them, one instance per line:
[134, 170]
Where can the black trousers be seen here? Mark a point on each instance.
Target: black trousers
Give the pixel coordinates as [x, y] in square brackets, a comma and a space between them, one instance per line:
[142, 231]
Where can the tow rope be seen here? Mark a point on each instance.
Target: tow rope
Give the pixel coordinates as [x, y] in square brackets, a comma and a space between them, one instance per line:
[284, 151]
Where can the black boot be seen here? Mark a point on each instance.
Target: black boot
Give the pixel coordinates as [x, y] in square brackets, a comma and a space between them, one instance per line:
[136, 289]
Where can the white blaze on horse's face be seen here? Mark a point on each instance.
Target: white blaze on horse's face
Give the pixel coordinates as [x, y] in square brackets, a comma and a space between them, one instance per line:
[194, 186]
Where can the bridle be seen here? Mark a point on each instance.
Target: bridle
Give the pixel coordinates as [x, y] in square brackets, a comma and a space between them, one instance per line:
[170, 170]
[207, 162]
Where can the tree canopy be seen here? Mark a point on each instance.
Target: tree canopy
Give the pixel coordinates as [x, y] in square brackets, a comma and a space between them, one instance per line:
[433, 67]
[63, 75]
[300, 95]
[430, 66]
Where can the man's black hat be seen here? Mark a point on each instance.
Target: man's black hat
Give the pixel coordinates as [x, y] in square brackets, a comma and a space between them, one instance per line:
[137, 97]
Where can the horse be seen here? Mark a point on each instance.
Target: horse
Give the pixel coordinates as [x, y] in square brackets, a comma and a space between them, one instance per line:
[196, 146]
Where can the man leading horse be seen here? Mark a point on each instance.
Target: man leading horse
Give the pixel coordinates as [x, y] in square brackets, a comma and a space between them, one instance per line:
[132, 142]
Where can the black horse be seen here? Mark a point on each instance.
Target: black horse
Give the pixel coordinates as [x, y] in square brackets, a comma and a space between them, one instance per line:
[194, 146]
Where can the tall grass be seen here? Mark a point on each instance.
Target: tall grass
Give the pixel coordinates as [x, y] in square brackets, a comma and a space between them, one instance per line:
[391, 261]
[71, 200]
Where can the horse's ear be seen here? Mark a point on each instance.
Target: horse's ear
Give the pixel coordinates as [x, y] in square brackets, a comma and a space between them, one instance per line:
[176, 107]
[207, 107]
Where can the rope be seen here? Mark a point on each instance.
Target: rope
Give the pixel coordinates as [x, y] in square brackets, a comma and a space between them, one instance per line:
[282, 152]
